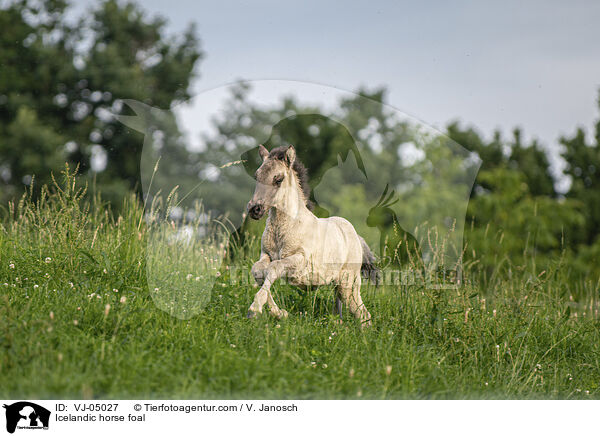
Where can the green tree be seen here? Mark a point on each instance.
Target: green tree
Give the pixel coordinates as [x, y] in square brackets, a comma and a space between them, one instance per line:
[529, 159]
[532, 161]
[508, 225]
[583, 168]
[60, 82]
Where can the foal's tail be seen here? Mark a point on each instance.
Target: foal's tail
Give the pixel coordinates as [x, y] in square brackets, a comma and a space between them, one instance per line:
[368, 268]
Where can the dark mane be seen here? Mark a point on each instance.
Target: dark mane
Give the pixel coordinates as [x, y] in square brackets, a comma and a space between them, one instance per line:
[300, 170]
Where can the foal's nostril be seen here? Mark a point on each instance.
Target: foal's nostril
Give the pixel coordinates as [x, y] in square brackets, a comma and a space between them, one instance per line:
[256, 210]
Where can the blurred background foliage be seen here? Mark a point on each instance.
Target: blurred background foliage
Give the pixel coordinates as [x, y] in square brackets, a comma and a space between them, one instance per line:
[60, 80]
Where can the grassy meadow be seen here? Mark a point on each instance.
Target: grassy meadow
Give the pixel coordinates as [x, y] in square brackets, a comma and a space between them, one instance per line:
[77, 320]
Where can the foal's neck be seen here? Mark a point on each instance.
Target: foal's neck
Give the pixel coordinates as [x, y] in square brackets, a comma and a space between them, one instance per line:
[293, 209]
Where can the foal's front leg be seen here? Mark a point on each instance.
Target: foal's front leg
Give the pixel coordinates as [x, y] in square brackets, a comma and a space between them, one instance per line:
[275, 270]
[259, 269]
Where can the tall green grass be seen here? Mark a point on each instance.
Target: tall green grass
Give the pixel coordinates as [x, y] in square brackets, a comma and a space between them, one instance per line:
[78, 320]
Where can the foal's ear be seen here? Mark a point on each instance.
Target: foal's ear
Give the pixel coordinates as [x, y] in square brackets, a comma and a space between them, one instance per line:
[290, 155]
[264, 153]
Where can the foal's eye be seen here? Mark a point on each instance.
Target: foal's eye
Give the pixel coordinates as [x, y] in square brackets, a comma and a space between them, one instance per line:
[277, 180]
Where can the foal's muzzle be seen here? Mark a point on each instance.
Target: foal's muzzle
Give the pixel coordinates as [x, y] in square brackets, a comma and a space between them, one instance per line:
[256, 211]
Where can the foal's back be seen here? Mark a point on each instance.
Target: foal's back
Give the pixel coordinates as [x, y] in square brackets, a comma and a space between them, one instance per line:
[333, 245]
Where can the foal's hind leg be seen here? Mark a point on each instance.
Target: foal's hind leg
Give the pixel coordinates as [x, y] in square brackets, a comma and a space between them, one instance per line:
[337, 304]
[349, 291]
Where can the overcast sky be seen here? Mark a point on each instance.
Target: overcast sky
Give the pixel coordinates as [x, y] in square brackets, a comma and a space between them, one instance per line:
[534, 64]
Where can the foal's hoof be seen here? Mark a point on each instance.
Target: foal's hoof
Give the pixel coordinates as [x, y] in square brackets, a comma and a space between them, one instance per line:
[279, 314]
[251, 314]
[366, 324]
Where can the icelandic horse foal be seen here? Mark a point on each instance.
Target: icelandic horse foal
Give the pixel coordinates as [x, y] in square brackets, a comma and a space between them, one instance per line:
[298, 245]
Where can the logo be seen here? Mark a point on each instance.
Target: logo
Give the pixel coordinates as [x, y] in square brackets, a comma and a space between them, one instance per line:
[26, 415]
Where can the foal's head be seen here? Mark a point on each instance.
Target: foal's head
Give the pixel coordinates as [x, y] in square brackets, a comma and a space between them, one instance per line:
[279, 176]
